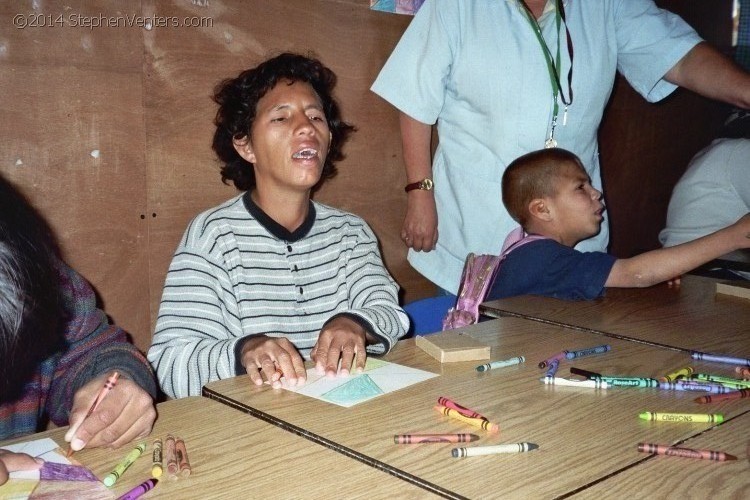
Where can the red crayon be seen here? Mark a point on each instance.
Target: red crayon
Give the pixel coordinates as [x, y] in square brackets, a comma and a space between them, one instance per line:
[713, 398]
[434, 438]
[673, 451]
[466, 412]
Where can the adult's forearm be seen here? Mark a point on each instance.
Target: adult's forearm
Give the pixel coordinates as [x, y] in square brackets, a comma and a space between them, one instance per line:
[416, 140]
[709, 73]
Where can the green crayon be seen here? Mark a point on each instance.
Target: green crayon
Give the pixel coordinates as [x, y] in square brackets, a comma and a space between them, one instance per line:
[691, 418]
[111, 478]
[629, 381]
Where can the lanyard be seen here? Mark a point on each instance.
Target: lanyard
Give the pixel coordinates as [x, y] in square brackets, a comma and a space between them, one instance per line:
[553, 65]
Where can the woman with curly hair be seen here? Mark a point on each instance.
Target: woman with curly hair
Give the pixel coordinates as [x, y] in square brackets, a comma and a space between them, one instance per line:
[270, 277]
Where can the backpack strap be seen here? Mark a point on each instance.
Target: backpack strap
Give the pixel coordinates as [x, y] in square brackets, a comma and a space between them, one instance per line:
[478, 275]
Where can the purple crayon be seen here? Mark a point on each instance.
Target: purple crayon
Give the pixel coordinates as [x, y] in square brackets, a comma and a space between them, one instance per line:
[559, 356]
[552, 369]
[139, 490]
[684, 385]
[718, 358]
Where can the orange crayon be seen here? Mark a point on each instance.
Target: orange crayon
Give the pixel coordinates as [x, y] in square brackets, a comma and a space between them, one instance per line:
[743, 371]
[182, 458]
[714, 398]
[171, 457]
[476, 422]
[673, 451]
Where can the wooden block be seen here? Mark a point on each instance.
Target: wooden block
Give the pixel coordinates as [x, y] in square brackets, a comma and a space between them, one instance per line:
[734, 288]
[453, 345]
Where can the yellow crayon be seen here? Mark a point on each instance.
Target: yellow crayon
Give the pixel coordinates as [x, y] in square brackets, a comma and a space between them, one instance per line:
[156, 468]
[681, 373]
[476, 422]
[706, 418]
[120, 469]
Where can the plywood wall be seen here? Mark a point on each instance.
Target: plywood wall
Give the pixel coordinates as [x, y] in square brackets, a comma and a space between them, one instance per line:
[107, 129]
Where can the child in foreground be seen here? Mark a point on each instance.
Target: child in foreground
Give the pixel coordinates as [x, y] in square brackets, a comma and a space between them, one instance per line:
[549, 193]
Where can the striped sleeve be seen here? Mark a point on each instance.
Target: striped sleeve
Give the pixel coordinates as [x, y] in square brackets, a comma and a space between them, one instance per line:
[198, 323]
[373, 294]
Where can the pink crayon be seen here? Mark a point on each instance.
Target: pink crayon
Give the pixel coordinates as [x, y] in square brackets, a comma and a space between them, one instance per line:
[466, 412]
[476, 422]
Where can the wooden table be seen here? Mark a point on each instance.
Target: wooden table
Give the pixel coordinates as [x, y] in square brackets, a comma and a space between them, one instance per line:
[671, 477]
[584, 435]
[237, 457]
[690, 317]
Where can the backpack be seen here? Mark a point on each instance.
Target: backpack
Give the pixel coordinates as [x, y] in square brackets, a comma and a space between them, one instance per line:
[478, 275]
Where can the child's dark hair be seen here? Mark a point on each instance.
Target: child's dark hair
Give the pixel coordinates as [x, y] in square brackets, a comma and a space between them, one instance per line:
[238, 98]
[29, 292]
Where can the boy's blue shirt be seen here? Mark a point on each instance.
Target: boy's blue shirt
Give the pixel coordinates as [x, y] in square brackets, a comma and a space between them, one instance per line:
[548, 268]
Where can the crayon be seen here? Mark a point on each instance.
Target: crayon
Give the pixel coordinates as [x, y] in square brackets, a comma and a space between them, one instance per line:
[139, 490]
[685, 385]
[744, 372]
[735, 383]
[718, 358]
[476, 451]
[715, 398]
[182, 457]
[434, 438]
[552, 368]
[108, 385]
[559, 356]
[706, 418]
[171, 457]
[616, 381]
[111, 478]
[476, 422]
[501, 364]
[629, 381]
[681, 373]
[156, 458]
[591, 384]
[466, 412]
[600, 349]
[673, 451]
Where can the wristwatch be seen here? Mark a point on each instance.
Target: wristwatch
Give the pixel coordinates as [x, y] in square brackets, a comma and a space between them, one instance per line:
[424, 185]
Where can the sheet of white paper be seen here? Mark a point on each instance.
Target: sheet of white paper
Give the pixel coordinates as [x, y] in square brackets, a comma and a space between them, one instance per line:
[379, 377]
[42, 448]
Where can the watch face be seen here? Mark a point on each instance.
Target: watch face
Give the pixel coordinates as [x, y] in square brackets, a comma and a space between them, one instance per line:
[426, 185]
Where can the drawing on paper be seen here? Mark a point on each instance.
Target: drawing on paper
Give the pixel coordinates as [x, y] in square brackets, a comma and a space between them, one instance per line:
[379, 377]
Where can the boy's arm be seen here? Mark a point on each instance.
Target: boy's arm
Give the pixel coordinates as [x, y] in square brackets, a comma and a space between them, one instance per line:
[663, 264]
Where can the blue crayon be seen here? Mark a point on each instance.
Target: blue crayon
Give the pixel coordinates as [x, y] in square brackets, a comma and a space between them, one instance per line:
[703, 356]
[601, 349]
[501, 364]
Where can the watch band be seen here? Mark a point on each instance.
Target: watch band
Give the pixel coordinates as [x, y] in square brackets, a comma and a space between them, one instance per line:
[424, 185]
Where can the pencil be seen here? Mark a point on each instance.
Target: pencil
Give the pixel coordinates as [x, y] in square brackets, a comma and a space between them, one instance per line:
[108, 385]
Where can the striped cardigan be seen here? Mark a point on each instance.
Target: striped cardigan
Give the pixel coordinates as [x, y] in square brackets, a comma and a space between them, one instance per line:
[237, 273]
[93, 347]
